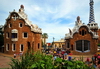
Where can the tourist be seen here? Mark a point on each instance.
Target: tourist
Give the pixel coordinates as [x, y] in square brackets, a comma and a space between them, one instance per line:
[98, 57]
[95, 56]
[90, 65]
[65, 55]
[68, 51]
[55, 57]
[87, 60]
[21, 54]
[98, 66]
[93, 59]
[62, 53]
[69, 58]
[54, 52]
[14, 55]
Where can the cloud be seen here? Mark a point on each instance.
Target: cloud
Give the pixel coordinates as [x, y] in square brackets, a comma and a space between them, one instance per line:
[55, 17]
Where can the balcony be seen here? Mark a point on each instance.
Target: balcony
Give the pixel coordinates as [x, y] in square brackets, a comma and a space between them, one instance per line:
[14, 39]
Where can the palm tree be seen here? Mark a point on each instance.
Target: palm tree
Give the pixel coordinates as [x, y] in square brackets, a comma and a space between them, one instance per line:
[44, 36]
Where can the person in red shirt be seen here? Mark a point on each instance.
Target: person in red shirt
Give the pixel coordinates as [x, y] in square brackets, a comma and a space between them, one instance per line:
[87, 60]
[95, 56]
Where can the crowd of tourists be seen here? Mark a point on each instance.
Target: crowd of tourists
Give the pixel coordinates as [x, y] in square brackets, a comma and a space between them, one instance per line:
[66, 55]
[95, 61]
[60, 53]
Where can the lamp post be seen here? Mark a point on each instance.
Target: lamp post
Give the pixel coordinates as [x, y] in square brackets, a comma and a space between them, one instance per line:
[53, 42]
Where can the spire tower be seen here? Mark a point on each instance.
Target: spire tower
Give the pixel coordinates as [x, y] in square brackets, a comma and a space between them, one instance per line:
[91, 17]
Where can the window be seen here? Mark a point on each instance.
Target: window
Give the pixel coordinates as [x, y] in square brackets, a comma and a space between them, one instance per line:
[21, 47]
[68, 45]
[91, 24]
[25, 35]
[7, 47]
[86, 45]
[38, 45]
[13, 47]
[7, 35]
[20, 24]
[79, 45]
[82, 32]
[83, 45]
[10, 25]
[14, 35]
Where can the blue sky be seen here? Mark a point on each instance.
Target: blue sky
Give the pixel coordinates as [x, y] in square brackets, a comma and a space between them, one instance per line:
[55, 17]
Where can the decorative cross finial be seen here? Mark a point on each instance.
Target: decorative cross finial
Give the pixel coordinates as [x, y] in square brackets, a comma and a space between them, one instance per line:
[15, 17]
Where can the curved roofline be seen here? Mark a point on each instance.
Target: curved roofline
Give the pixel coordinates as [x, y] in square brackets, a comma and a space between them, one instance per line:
[83, 26]
[27, 22]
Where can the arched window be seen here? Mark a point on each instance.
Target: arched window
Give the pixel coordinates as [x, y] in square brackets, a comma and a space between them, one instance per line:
[21, 47]
[83, 45]
[10, 25]
[7, 47]
[68, 45]
[82, 32]
[38, 45]
[20, 25]
[13, 47]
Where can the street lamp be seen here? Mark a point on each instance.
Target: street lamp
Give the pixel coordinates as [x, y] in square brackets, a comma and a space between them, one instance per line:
[53, 42]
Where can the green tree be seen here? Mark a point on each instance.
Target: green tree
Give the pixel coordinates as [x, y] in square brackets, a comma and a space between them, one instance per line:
[44, 36]
[32, 60]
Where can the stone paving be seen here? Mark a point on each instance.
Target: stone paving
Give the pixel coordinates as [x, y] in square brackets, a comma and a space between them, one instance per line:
[5, 60]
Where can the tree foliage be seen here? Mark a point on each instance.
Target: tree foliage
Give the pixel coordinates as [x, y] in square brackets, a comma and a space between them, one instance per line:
[41, 61]
[44, 36]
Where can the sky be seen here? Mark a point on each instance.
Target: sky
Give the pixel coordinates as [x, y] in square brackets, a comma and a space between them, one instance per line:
[54, 17]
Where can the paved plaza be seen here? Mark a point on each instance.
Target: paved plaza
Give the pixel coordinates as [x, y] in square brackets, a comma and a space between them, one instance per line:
[5, 60]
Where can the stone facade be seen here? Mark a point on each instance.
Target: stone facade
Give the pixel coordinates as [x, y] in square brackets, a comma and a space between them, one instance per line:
[20, 35]
[59, 44]
[82, 39]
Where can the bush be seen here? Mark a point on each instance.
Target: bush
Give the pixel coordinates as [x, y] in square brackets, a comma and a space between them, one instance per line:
[42, 61]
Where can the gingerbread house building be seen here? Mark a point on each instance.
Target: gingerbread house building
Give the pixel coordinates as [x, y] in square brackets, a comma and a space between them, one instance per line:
[20, 35]
[84, 39]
